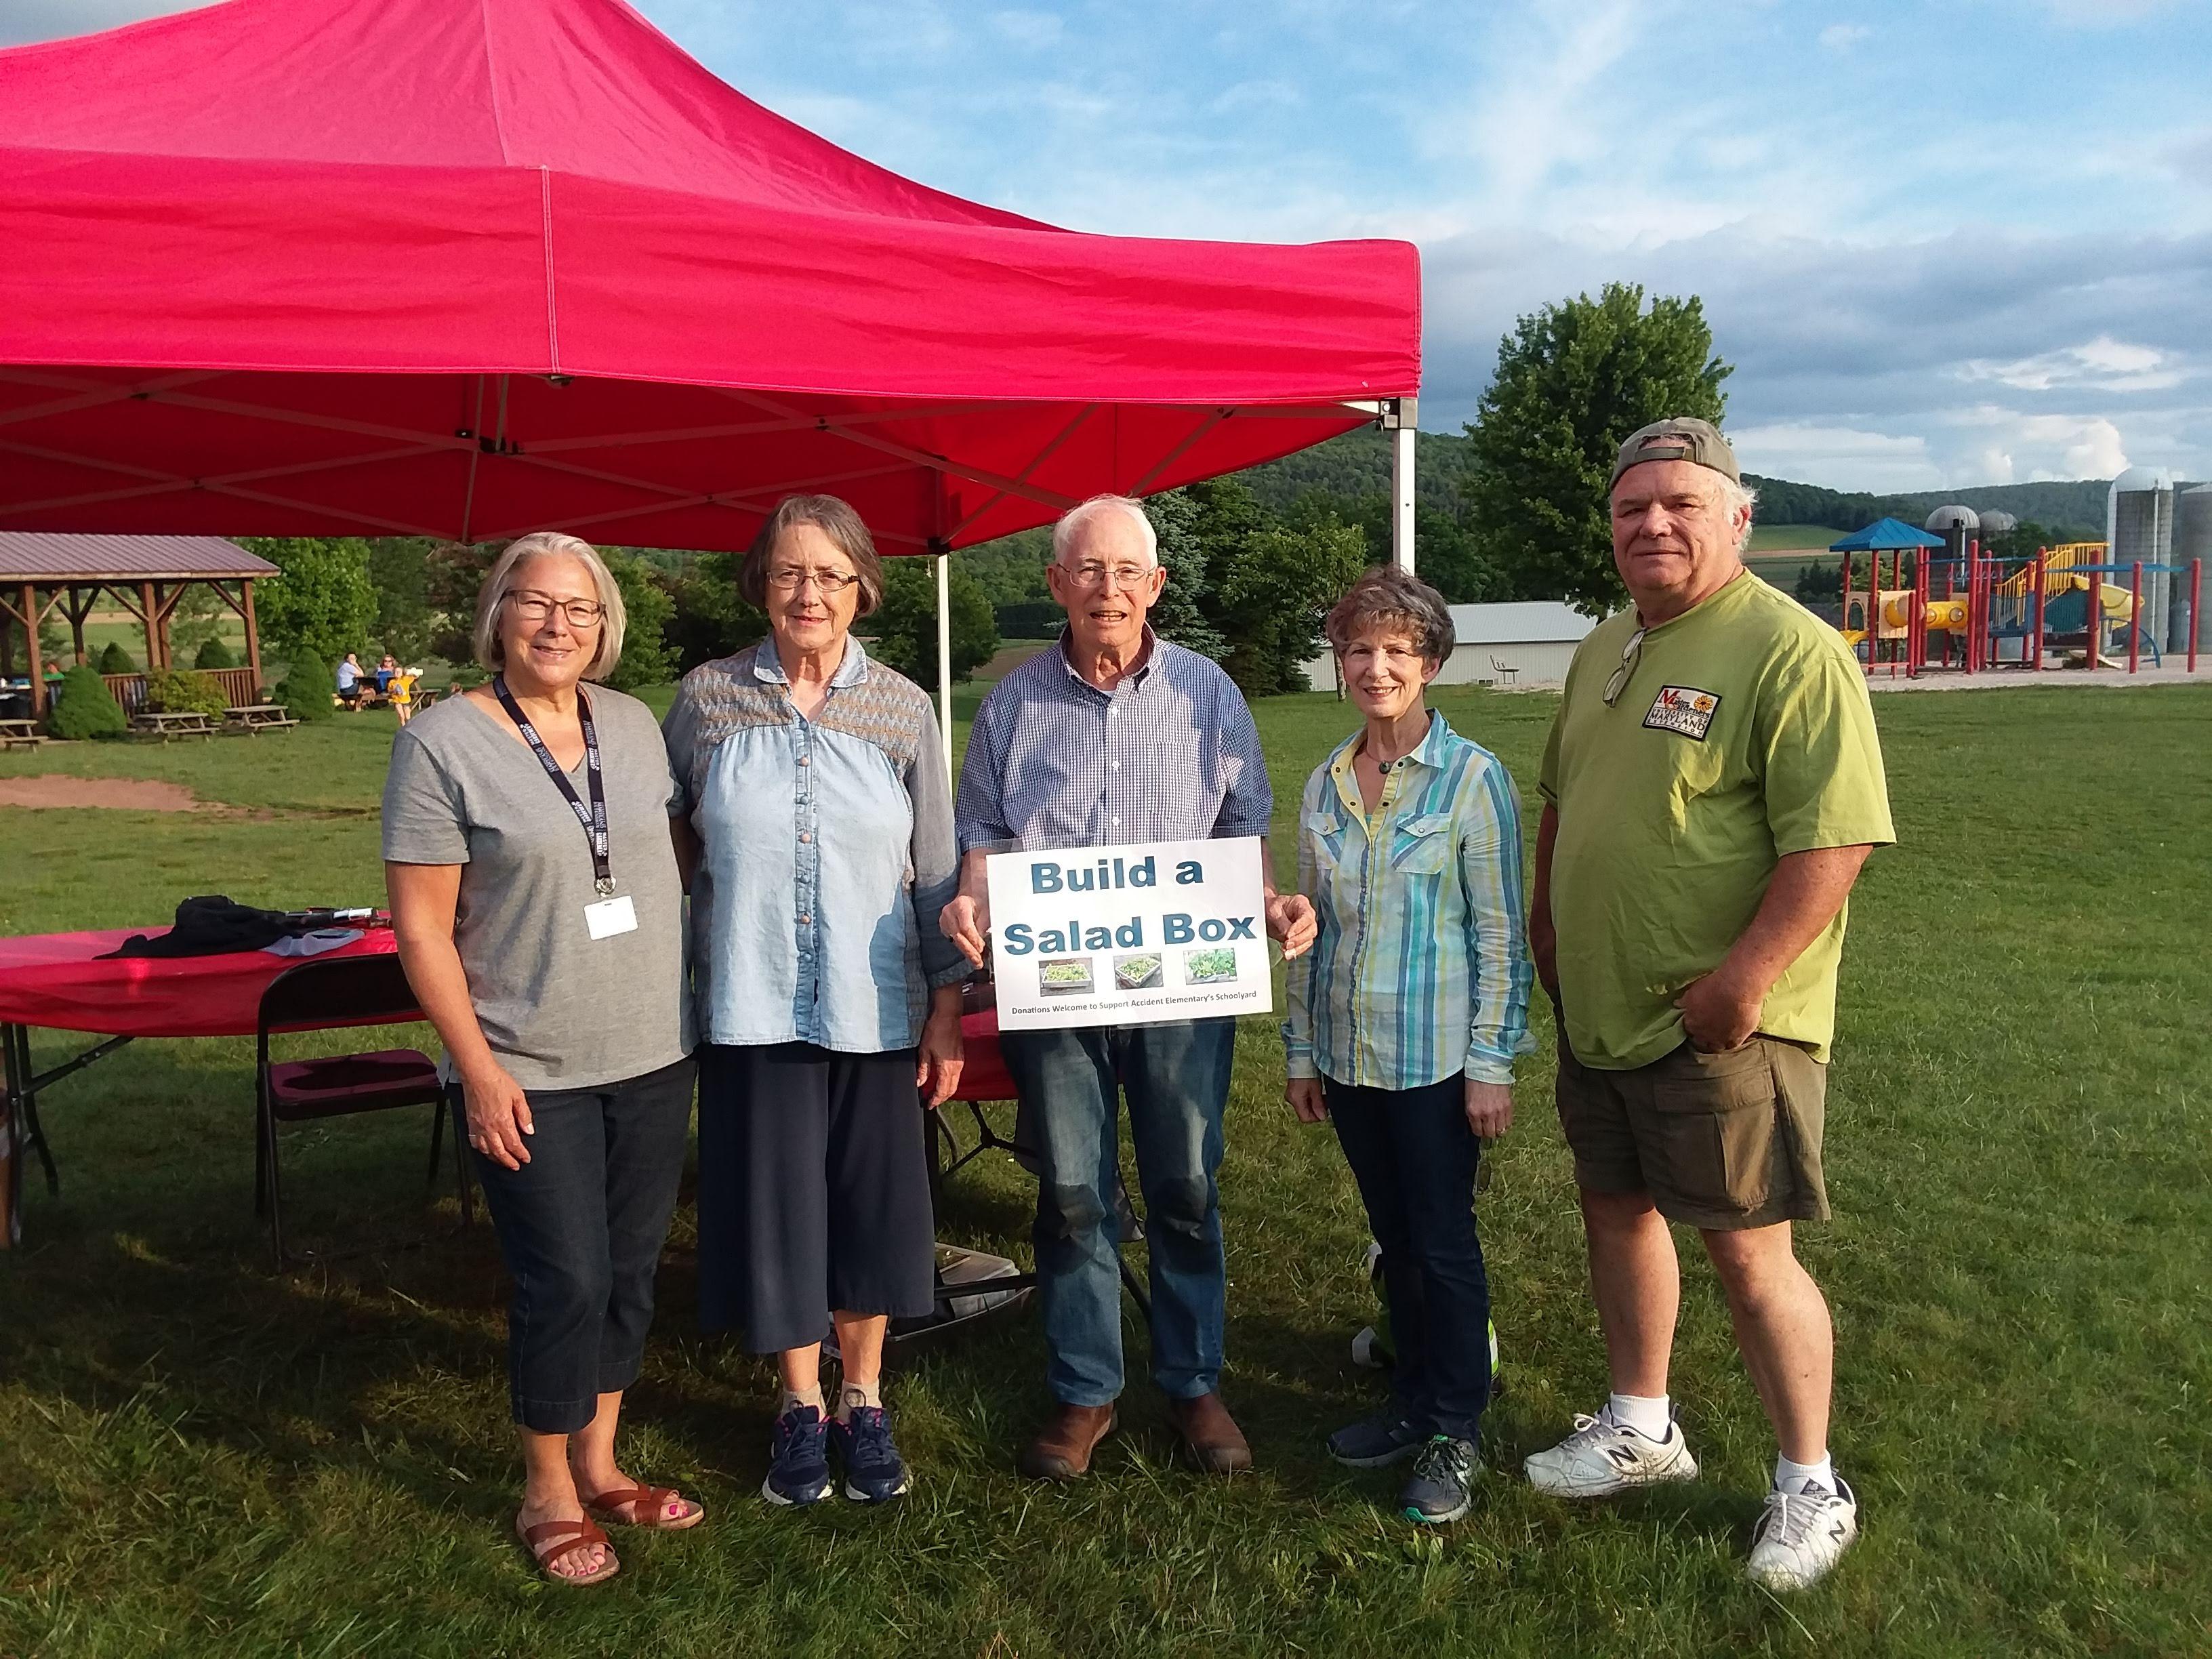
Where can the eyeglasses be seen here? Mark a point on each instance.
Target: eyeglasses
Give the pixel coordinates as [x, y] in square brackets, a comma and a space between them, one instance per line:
[537, 607]
[1124, 575]
[1630, 654]
[829, 583]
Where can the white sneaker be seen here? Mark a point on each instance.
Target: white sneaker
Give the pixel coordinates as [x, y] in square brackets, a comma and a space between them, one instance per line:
[1603, 1457]
[1803, 1534]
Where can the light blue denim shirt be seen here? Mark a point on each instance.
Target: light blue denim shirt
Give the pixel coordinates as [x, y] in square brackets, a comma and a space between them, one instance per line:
[827, 853]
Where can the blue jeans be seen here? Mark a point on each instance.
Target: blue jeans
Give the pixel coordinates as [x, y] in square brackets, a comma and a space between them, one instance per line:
[1414, 1158]
[1176, 1079]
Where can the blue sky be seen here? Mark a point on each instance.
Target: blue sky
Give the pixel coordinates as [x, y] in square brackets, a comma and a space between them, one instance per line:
[1944, 243]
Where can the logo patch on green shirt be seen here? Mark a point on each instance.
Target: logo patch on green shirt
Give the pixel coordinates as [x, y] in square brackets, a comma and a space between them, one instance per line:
[1683, 709]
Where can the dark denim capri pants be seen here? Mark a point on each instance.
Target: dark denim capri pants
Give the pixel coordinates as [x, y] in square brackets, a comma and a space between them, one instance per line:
[813, 1191]
[581, 1225]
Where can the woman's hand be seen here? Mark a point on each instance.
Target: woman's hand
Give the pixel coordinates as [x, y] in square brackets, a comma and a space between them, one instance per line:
[937, 1069]
[498, 1116]
[965, 921]
[1489, 1108]
[1307, 1100]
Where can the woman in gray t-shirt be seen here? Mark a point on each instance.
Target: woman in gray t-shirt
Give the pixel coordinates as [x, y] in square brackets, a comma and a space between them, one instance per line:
[549, 954]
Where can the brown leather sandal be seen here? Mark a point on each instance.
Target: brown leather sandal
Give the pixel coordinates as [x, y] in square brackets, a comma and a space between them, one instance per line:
[648, 1501]
[553, 1542]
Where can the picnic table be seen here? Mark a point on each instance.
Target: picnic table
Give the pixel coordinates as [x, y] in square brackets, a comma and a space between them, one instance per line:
[258, 717]
[20, 734]
[166, 723]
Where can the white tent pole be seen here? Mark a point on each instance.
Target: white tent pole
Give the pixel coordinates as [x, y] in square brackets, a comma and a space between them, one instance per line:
[945, 655]
[1401, 420]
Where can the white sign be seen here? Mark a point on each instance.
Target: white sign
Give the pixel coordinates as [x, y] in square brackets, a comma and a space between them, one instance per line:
[1128, 935]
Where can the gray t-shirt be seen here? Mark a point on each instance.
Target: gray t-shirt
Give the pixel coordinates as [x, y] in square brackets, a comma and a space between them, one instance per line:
[560, 1009]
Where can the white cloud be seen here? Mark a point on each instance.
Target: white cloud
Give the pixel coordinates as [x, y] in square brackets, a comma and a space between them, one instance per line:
[2103, 364]
[1035, 30]
[1839, 457]
[1842, 37]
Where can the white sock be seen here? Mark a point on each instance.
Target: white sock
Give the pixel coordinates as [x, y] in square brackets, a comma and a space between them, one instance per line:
[1647, 1415]
[1793, 1478]
[852, 1395]
[793, 1401]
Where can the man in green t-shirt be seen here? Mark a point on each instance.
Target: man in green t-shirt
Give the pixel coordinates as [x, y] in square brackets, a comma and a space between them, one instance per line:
[1711, 787]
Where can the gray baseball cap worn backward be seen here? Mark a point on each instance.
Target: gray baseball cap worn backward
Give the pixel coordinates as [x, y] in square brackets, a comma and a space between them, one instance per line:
[1684, 438]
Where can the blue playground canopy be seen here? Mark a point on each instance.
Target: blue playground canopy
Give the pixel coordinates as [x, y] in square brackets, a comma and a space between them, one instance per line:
[1884, 535]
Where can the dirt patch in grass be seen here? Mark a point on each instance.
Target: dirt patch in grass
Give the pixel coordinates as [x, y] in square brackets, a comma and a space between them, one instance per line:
[138, 795]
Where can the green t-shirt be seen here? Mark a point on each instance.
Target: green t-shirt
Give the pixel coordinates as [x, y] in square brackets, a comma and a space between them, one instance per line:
[1744, 733]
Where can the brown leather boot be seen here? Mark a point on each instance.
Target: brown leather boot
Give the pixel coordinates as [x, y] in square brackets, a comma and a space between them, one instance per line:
[1062, 1448]
[1216, 1444]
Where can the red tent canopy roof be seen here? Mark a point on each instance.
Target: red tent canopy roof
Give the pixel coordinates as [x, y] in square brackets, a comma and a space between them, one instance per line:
[470, 267]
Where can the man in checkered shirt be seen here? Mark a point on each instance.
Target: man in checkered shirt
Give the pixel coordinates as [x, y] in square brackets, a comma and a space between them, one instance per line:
[1117, 736]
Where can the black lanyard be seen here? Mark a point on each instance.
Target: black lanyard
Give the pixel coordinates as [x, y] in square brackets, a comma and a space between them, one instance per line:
[593, 817]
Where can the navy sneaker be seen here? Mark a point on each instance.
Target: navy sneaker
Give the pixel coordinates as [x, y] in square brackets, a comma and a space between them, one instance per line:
[1440, 1489]
[1375, 1441]
[873, 1469]
[797, 1459]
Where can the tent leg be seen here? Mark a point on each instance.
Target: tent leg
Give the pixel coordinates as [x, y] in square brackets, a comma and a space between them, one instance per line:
[945, 655]
[1401, 421]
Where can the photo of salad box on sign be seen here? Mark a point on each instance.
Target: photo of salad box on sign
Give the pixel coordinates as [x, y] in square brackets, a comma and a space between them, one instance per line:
[1125, 935]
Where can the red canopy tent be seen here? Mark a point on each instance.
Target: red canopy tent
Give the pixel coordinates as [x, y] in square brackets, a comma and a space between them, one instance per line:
[467, 268]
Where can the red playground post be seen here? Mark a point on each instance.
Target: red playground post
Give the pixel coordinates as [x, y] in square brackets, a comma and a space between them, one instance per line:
[2096, 619]
[2135, 615]
[2196, 596]
[2039, 555]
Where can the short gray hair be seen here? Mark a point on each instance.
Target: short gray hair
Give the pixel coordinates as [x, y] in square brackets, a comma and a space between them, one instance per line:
[1073, 522]
[1395, 600]
[500, 582]
[836, 518]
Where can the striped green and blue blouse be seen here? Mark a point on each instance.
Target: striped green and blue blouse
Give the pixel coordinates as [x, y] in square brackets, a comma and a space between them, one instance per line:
[1420, 969]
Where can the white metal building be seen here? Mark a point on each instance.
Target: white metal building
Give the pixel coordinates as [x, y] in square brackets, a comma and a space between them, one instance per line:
[1536, 639]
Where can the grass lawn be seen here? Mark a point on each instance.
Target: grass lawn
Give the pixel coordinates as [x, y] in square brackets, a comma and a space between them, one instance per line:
[199, 1457]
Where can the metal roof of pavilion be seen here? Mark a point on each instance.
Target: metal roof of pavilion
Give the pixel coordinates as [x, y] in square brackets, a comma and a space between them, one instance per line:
[43, 556]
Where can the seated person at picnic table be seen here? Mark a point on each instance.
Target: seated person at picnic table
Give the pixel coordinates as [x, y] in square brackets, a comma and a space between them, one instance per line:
[385, 671]
[828, 999]
[1406, 1016]
[350, 680]
[550, 959]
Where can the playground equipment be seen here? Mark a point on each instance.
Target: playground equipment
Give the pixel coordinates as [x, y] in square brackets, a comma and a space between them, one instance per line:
[2002, 612]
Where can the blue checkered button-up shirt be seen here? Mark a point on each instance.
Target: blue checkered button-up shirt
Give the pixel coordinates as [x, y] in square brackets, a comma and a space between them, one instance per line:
[1171, 754]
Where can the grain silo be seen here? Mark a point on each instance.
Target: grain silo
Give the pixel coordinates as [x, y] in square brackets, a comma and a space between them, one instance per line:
[2139, 526]
[1943, 519]
[2192, 539]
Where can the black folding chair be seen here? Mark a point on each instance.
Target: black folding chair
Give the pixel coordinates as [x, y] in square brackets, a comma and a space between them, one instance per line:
[358, 990]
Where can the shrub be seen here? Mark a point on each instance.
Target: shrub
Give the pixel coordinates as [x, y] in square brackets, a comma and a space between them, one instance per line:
[169, 692]
[213, 654]
[116, 660]
[306, 689]
[85, 707]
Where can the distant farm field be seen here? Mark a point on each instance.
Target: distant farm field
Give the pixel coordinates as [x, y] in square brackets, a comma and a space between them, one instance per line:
[199, 1457]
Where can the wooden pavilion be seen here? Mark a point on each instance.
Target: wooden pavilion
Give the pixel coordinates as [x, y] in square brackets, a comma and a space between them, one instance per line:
[145, 576]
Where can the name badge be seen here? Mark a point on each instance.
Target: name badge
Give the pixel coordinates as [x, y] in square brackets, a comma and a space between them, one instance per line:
[610, 916]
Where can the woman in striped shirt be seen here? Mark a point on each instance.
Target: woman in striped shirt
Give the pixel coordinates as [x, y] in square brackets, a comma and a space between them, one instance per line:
[1406, 1016]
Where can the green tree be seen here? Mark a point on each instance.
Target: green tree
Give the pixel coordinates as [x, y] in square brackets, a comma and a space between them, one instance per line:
[905, 628]
[308, 687]
[1177, 616]
[213, 654]
[1573, 380]
[1270, 593]
[321, 600]
[646, 659]
[83, 707]
[114, 660]
[711, 618]
[399, 569]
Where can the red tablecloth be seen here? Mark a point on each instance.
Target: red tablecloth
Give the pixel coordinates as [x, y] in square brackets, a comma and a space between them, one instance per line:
[55, 980]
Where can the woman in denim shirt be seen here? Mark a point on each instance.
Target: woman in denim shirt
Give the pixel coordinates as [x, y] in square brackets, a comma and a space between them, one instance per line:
[815, 789]
[1406, 1016]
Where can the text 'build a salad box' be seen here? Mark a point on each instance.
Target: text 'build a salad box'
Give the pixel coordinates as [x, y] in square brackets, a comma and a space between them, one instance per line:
[1129, 935]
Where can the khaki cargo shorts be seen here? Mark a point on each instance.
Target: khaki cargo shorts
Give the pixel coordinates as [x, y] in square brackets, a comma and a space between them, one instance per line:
[1723, 1141]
